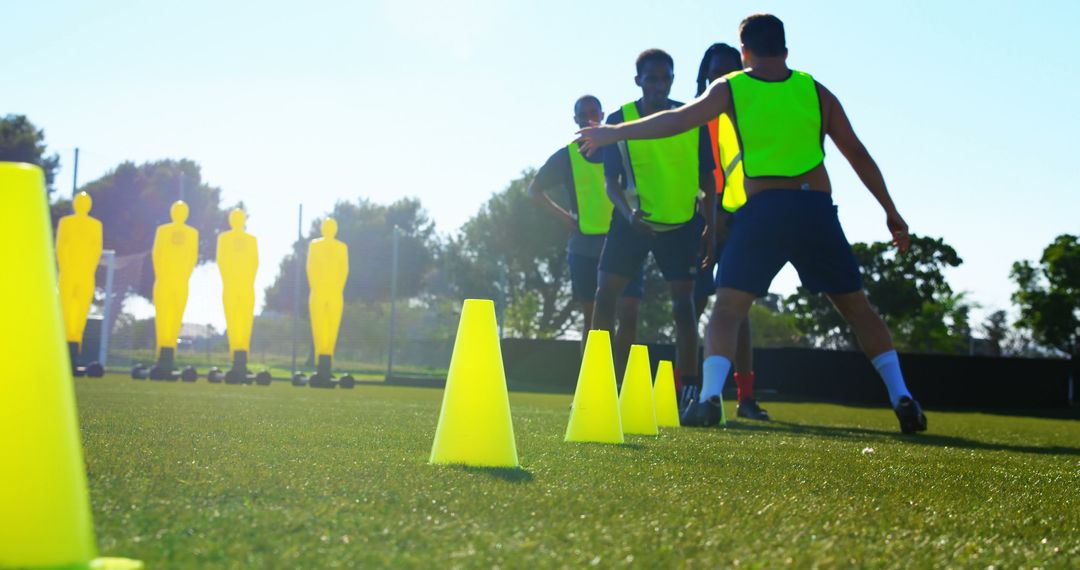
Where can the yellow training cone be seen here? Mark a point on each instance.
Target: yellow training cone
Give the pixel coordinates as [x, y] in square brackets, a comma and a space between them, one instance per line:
[636, 399]
[44, 506]
[595, 413]
[667, 406]
[474, 424]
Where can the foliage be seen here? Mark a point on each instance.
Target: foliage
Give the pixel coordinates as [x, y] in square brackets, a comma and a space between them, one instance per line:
[514, 253]
[21, 141]
[368, 230]
[1048, 295]
[910, 292]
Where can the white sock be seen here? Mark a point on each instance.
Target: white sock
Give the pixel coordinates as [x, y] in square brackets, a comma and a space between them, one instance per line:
[887, 365]
[714, 375]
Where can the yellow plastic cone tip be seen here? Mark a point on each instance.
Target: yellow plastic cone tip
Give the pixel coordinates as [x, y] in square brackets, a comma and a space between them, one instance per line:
[474, 424]
[667, 405]
[636, 404]
[594, 416]
[116, 564]
[46, 519]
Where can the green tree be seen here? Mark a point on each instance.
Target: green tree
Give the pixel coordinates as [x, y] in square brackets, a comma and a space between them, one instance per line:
[772, 328]
[368, 229]
[1048, 295]
[514, 253]
[909, 290]
[21, 141]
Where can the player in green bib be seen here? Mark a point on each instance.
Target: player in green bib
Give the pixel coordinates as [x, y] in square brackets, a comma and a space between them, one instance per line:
[781, 117]
[587, 216]
[654, 185]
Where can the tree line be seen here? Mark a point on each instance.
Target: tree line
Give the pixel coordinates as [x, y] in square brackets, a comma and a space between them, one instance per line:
[514, 253]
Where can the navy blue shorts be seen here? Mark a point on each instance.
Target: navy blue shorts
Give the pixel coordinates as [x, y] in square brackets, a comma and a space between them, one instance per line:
[675, 251]
[583, 270]
[780, 226]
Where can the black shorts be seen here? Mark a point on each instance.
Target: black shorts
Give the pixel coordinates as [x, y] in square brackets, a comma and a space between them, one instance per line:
[583, 270]
[780, 226]
[675, 251]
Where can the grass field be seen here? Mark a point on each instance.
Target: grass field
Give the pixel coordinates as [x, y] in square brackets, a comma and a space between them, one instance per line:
[280, 477]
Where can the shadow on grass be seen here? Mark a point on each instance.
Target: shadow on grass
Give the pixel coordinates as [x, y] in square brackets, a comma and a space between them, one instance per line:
[853, 433]
[508, 474]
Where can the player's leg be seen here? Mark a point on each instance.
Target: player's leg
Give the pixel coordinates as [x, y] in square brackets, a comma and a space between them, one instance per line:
[704, 287]
[754, 253]
[675, 252]
[583, 285]
[826, 263]
[876, 342]
[620, 261]
[627, 317]
[745, 377]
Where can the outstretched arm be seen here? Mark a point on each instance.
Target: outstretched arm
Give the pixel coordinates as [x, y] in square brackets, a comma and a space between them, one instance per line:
[843, 134]
[669, 123]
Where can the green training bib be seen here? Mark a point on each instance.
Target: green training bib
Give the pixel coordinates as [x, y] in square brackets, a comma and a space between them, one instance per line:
[779, 124]
[664, 173]
[593, 206]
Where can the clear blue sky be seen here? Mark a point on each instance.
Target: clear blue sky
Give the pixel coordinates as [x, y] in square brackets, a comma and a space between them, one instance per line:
[969, 108]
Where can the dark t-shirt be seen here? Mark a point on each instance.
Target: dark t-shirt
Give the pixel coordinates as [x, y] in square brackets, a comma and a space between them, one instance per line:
[613, 160]
[557, 172]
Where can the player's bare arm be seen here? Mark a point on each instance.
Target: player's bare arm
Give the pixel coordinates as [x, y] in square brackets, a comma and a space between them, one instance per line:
[540, 197]
[715, 100]
[839, 129]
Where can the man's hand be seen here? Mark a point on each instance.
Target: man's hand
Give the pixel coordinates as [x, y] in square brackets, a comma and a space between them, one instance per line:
[707, 248]
[638, 224]
[899, 230]
[591, 139]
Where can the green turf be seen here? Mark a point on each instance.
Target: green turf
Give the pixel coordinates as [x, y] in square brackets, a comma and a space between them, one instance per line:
[208, 476]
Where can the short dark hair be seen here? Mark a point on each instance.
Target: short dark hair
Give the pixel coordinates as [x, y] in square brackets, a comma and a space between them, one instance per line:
[654, 54]
[585, 98]
[763, 35]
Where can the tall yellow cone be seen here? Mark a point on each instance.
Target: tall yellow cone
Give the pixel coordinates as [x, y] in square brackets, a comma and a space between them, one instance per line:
[667, 406]
[595, 414]
[474, 424]
[44, 506]
[636, 399]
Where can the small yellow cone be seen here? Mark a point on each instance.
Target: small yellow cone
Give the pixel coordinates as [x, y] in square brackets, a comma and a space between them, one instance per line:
[667, 405]
[474, 424]
[44, 505]
[595, 413]
[636, 399]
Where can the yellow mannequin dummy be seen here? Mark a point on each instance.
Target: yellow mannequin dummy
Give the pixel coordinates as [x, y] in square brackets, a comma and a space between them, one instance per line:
[238, 260]
[327, 270]
[176, 251]
[78, 250]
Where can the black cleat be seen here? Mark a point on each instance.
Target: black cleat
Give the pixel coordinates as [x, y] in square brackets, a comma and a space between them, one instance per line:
[704, 414]
[911, 416]
[750, 410]
[687, 395]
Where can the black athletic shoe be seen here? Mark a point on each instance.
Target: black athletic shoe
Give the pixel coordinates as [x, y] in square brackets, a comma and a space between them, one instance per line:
[688, 394]
[911, 416]
[750, 410]
[704, 414]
